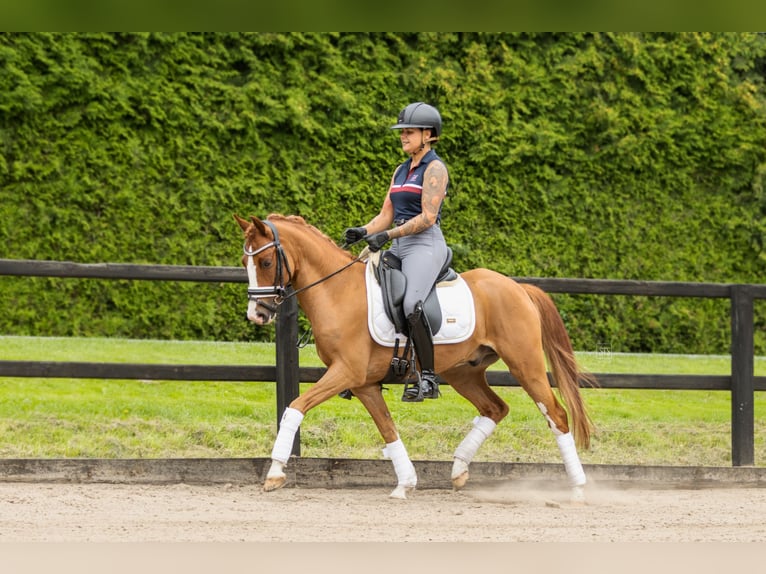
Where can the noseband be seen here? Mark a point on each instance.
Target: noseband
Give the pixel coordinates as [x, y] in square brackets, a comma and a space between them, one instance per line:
[277, 291]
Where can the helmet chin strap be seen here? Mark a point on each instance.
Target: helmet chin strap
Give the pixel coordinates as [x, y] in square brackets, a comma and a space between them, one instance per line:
[428, 140]
[419, 150]
[423, 142]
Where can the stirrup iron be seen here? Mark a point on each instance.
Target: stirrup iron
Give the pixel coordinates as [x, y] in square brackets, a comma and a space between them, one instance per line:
[424, 386]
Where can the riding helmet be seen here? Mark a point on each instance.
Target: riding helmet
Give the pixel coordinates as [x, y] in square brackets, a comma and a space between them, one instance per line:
[420, 115]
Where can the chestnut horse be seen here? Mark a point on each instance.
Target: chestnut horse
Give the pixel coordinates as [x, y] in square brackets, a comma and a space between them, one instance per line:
[518, 323]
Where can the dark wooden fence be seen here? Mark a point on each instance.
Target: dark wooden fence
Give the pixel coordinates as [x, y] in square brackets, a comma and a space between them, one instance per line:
[287, 374]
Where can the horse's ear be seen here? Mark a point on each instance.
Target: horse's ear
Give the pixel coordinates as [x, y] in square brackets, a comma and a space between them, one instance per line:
[259, 225]
[243, 223]
[253, 222]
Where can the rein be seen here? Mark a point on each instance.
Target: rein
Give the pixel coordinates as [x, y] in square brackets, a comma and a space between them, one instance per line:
[323, 279]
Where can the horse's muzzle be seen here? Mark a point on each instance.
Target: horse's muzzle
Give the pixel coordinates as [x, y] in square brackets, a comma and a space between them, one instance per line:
[261, 313]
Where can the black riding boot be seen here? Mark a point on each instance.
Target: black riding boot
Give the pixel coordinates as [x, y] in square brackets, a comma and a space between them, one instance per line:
[427, 386]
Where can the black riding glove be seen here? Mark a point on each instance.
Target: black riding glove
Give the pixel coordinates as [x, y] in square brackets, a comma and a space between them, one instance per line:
[377, 240]
[354, 234]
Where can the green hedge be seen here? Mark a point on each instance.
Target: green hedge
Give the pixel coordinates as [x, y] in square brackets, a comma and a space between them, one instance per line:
[627, 156]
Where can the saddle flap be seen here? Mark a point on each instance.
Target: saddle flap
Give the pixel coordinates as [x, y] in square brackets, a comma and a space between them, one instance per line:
[393, 284]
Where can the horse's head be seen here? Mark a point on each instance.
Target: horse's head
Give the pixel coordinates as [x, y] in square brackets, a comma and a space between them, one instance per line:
[267, 267]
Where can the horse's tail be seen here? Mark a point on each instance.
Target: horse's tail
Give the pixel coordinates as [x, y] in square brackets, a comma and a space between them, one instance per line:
[566, 372]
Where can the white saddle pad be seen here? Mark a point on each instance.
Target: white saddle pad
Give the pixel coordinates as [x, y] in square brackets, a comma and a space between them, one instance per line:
[458, 313]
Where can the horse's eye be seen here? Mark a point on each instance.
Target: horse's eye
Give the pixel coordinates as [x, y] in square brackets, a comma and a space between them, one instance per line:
[266, 263]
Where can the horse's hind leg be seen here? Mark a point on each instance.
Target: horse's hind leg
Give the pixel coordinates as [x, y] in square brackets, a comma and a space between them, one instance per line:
[472, 385]
[372, 399]
[534, 380]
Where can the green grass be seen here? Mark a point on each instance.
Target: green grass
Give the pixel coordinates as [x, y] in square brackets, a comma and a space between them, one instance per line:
[45, 418]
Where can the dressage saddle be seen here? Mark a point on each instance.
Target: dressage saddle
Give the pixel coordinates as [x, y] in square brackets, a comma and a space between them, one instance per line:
[393, 283]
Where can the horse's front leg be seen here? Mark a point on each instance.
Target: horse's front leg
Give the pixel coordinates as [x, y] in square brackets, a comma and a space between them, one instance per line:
[407, 479]
[283, 446]
[332, 382]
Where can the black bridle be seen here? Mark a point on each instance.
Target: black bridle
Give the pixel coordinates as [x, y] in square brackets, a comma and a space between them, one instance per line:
[279, 291]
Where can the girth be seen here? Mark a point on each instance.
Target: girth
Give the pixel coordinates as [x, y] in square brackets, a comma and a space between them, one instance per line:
[393, 284]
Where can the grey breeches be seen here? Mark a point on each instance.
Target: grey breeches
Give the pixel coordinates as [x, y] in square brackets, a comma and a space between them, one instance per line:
[422, 258]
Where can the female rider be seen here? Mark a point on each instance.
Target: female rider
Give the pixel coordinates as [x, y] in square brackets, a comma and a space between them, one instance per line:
[413, 205]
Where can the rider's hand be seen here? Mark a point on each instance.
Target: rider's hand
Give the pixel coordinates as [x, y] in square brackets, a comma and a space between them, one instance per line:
[377, 240]
[354, 234]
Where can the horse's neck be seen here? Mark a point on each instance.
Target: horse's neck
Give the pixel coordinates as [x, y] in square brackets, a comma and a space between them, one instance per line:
[316, 261]
[317, 265]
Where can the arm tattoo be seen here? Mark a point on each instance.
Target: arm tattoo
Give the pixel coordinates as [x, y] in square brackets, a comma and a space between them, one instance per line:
[434, 190]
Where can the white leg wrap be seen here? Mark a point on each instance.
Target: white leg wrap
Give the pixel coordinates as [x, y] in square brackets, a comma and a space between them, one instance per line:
[405, 470]
[276, 470]
[482, 428]
[459, 467]
[288, 426]
[572, 462]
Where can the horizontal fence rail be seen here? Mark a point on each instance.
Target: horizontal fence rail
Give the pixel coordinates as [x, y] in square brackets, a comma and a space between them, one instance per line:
[266, 374]
[35, 268]
[287, 374]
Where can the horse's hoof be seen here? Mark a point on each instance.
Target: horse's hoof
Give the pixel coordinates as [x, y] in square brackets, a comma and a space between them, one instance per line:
[400, 492]
[577, 497]
[274, 483]
[459, 481]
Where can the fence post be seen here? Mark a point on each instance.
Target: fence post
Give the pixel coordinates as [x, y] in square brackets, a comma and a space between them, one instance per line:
[742, 372]
[288, 384]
